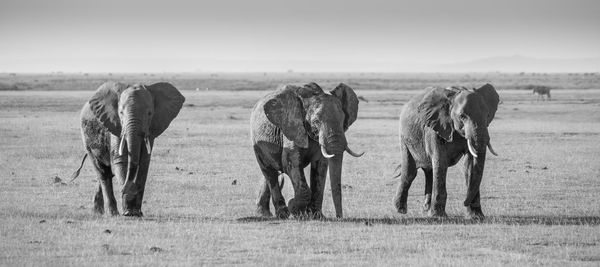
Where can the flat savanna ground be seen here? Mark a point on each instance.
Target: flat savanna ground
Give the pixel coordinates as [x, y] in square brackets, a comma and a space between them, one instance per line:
[540, 195]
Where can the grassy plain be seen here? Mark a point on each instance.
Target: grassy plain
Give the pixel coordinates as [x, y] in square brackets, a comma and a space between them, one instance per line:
[541, 194]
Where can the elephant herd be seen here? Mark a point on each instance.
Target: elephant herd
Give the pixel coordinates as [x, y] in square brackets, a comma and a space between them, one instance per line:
[292, 128]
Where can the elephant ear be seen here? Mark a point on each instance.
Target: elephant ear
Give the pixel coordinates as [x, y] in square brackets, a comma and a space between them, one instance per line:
[434, 111]
[167, 103]
[309, 90]
[349, 103]
[284, 109]
[491, 100]
[104, 104]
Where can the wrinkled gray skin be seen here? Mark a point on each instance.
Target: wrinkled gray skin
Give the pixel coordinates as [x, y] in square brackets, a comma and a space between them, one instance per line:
[118, 125]
[434, 129]
[289, 127]
[541, 90]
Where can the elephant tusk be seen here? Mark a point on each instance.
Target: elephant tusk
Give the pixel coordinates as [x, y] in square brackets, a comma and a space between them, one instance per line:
[489, 145]
[325, 154]
[471, 149]
[354, 154]
[148, 146]
[281, 178]
[122, 145]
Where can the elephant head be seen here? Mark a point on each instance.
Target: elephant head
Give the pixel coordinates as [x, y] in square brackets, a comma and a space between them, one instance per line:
[307, 112]
[463, 111]
[136, 114]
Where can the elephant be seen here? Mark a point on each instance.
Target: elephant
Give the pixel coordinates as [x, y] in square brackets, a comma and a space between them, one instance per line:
[437, 128]
[296, 126]
[541, 90]
[118, 125]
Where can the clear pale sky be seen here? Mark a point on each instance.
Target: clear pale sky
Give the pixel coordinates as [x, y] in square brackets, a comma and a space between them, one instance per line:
[264, 35]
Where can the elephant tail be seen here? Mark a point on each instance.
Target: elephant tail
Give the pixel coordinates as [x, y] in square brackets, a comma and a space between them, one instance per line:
[76, 173]
[397, 173]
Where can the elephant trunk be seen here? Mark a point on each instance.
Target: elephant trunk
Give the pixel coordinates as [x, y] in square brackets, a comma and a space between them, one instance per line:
[133, 157]
[335, 177]
[335, 144]
[133, 139]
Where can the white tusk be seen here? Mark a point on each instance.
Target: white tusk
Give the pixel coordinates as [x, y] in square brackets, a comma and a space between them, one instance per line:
[491, 149]
[471, 149]
[354, 154]
[148, 147]
[324, 152]
[281, 178]
[122, 145]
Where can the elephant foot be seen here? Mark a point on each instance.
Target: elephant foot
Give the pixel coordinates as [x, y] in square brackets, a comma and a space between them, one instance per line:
[437, 213]
[98, 205]
[301, 216]
[98, 209]
[401, 208]
[133, 213]
[315, 214]
[114, 212]
[282, 212]
[400, 205]
[474, 213]
[297, 207]
[427, 203]
[262, 212]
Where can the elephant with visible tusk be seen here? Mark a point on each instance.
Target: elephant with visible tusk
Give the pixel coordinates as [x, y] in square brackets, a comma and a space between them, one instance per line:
[296, 126]
[119, 124]
[437, 128]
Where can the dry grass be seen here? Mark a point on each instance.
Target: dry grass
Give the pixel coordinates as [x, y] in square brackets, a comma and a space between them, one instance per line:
[540, 194]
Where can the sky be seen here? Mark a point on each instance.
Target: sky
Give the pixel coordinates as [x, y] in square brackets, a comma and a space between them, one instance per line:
[270, 35]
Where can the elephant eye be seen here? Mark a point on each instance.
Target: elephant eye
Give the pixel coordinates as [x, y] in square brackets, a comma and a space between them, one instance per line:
[462, 116]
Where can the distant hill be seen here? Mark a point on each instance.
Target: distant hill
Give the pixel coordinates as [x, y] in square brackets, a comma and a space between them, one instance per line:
[523, 64]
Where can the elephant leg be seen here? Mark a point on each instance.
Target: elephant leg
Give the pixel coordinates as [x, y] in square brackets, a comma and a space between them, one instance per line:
[291, 162]
[110, 204]
[302, 194]
[318, 177]
[99, 200]
[428, 189]
[262, 203]
[271, 178]
[439, 193]
[408, 172]
[104, 196]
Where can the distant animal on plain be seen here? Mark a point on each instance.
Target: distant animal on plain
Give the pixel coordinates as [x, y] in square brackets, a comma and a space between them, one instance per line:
[541, 90]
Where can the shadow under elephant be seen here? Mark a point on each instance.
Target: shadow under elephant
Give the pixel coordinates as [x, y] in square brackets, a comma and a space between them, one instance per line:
[499, 219]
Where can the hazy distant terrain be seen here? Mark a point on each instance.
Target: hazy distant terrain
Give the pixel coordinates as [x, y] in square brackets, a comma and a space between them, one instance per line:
[520, 63]
[269, 81]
